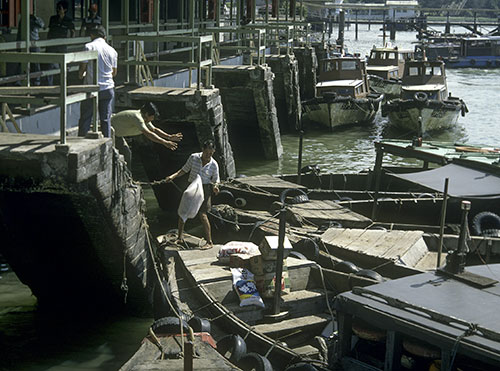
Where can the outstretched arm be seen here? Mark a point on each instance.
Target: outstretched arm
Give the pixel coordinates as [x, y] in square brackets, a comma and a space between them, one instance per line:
[177, 174]
[177, 137]
[151, 135]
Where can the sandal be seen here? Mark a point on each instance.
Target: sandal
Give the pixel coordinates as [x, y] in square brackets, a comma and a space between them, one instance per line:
[207, 246]
[182, 244]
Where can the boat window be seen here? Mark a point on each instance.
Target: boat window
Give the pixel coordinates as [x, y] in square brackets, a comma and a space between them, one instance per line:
[330, 66]
[349, 65]
[413, 71]
[391, 56]
[373, 55]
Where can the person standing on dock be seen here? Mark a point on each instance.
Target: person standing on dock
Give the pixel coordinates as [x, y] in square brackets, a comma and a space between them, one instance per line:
[60, 26]
[204, 165]
[107, 62]
[90, 22]
[36, 24]
[131, 123]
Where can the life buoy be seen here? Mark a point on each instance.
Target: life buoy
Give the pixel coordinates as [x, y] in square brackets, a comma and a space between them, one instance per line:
[232, 347]
[485, 221]
[255, 362]
[420, 96]
[472, 62]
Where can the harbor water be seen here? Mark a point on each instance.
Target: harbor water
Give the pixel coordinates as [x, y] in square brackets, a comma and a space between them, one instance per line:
[30, 340]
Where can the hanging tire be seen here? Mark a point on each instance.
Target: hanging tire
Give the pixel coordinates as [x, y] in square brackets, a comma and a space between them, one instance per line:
[254, 362]
[346, 267]
[484, 221]
[224, 197]
[169, 325]
[240, 202]
[308, 247]
[368, 273]
[161, 306]
[232, 347]
[199, 324]
[472, 62]
[421, 96]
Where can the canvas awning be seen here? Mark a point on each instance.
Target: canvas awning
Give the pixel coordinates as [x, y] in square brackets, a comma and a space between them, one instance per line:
[464, 182]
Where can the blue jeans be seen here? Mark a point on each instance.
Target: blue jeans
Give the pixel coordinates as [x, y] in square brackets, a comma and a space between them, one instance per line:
[105, 110]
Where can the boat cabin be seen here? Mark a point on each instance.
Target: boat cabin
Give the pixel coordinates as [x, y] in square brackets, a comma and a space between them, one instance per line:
[389, 56]
[343, 76]
[427, 77]
[480, 46]
[385, 72]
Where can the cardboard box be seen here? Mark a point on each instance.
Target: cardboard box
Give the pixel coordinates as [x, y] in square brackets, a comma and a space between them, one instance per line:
[265, 284]
[260, 266]
[269, 247]
[240, 261]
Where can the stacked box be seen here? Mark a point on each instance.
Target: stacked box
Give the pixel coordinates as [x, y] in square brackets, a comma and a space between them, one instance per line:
[265, 284]
[241, 261]
[269, 247]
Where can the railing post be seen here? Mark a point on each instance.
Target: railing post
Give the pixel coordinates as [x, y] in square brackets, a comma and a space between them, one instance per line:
[62, 95]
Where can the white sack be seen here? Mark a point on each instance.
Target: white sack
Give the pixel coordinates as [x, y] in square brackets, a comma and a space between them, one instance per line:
[191, 200]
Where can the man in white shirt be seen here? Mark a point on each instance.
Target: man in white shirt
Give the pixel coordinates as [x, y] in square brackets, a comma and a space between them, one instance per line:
[131, 123]
[202, 164]
[107, 62]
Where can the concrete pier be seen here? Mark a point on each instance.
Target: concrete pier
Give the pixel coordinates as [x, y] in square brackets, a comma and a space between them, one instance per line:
[308, 65]
[286, 91]
[249, 105]
[72, 222]
[198, 115]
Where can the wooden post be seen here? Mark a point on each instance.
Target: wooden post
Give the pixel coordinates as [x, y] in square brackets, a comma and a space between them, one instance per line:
[447, 27]
[377, 172]
[443, 217]
[344, 321]
[393, 347]
[356, 25]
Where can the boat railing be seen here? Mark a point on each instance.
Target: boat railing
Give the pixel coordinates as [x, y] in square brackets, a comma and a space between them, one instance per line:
[60, 95]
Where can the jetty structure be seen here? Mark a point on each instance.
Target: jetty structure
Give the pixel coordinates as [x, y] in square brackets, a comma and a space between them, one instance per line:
[72, 215]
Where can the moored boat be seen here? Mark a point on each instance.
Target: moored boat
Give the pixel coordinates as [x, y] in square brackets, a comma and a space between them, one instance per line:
[424, 105]
[385, 67]
[476, 52]
[343, 95]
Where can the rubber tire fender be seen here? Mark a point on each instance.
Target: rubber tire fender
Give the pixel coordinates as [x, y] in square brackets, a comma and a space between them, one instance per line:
[169, 325]
[254, 362]
[483, 221]
[235, 345]
[472, 62]
[199, 324]
[368, 273]
[346, 267]
[421, 96]
[308, 247]
[297, 255]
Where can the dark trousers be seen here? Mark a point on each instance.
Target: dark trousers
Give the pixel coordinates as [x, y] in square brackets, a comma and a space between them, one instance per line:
[53, 66]
[105, 109]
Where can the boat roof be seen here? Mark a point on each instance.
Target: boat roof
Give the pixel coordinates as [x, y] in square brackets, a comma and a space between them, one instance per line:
[381, 68]
[464, 182]
[483, 38]
[436, 308]
[332, 83]
[428, 87]
[443, 152]
[391, 49]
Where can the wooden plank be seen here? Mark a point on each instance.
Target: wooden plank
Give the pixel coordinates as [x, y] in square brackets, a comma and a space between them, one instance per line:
[322, 211]
[47, 90]
[276, 330]
[347, 237]
[268, 182]
[406, 242]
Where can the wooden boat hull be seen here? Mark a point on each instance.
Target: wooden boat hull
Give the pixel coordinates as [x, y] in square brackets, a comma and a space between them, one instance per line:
[435, 115]
[334, 112]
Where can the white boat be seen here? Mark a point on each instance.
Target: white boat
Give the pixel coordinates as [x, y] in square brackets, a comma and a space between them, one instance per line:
[343, 95]
[425, 104]
[385, 68]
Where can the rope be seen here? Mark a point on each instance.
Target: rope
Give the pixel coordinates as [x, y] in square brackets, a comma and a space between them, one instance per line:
[124, 286]
[146, 228]
[471, 330]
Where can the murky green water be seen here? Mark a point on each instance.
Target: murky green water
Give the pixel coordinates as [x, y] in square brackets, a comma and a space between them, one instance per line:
[32, 341]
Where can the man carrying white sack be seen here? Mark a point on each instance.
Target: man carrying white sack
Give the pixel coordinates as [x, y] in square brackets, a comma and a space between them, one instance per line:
[202, 164]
